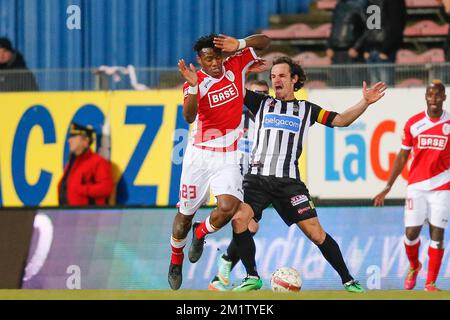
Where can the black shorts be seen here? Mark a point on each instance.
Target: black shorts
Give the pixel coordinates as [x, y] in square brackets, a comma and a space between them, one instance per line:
[289, 197]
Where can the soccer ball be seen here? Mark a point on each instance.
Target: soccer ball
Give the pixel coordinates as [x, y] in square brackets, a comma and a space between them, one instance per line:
[286, 280]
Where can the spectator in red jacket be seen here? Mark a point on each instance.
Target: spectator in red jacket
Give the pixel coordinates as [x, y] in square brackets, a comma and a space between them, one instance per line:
[87, 178]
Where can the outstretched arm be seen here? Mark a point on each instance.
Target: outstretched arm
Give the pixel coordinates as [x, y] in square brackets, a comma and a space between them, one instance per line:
[399, 164]
[371, 95]
[191, 102]
[230, 44]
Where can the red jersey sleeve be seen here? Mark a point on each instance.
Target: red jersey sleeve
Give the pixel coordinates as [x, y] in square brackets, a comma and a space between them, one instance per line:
[244, 58]
[407, 139]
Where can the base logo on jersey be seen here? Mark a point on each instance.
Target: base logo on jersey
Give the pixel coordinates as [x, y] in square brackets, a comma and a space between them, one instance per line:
[429, 141]
[223, 95]
[274, 121]
[298, 199]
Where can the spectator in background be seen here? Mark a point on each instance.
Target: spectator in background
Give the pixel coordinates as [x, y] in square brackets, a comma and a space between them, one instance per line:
[87, 178]
[14, 74]
[381, 45]
[345, 42]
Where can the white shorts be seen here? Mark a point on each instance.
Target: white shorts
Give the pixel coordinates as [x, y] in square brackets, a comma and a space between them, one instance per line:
[205, 171]
[422, 205]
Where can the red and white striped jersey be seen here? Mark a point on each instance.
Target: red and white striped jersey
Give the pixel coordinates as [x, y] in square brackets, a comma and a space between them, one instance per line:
[428, 139]
[220, 104]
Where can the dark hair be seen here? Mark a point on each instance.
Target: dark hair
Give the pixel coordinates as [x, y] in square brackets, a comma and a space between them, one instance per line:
[296, 69]
[436, 83]
[205, 42]
[5, 43]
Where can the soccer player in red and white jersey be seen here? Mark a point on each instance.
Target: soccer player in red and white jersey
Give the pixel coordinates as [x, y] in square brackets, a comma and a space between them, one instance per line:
[428, 194]
[213, 101]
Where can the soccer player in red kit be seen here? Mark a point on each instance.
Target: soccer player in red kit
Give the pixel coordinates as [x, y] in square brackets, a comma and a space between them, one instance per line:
[213, 101]
[426, 134]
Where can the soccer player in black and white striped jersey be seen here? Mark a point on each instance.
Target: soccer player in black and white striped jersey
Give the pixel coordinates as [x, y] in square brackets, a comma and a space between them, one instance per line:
[281, 127]
[248, 123]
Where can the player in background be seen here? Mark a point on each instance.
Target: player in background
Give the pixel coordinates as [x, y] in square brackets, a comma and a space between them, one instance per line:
[426, 134]
[281, 129]
[248, 123]
[213, 101]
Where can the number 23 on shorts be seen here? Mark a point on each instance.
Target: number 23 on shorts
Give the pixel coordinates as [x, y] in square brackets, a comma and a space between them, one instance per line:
[188, 192]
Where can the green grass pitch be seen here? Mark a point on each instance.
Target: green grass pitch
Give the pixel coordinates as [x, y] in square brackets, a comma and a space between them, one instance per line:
[208, 295]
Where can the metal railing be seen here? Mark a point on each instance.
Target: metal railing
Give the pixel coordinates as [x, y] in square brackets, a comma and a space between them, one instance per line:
[126, 78]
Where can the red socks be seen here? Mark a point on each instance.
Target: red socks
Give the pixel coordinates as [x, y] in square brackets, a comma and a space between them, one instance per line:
[178, 244]
[434, 263]
[434, 259]
[201, 230]
[177, 250]
[205, 228]
[413, 255]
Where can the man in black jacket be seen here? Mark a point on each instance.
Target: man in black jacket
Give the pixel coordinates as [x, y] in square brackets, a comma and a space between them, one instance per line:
[14, 74]
[381, 44]
[345, 42]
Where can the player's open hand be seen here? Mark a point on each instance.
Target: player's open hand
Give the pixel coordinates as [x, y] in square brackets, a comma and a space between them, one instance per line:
[374, 93]
[226, 43]
[378, 201]
[189, 74]
[258, 66]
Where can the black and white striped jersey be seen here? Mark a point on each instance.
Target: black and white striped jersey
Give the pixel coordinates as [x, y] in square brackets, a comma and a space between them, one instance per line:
[281, 128]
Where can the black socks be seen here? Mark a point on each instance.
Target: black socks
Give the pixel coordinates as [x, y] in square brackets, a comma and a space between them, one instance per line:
[243, 246]
[331, 252]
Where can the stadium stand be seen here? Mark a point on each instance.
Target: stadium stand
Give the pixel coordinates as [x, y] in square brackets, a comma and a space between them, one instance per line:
[405, 56]
[305, 39]
[300, 31]
[272, 55]
[409, 83]
[316, 84]
[426, 28]
[307, 58]
[312, 59]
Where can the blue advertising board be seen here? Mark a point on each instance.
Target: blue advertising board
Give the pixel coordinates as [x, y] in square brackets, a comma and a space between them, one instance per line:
[130, 249]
